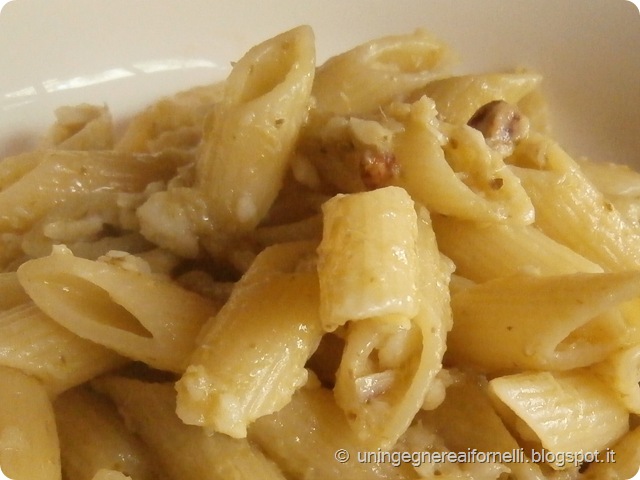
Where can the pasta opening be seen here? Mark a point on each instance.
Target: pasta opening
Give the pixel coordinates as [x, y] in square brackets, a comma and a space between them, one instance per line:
[94, 304]
[469, 159]
[269, 71]
[588, 344]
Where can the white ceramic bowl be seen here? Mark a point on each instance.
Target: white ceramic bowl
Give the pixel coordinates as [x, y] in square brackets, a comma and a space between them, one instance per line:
[127, 52]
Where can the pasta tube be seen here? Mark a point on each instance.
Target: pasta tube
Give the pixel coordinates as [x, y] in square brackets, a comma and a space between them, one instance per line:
[32, 184]
[368, 259]
[362, 79]
[458, 98]
[185, 452]
[35, 344]
[621, 372]
[314, 453]
[251, 356]
[247, 144]
[483, 251]
[467, 420]
[459, 176]
[564, 413]
[94, 437]
[118, 305]
[387, 370]
[29, 448]
[541, 322]
[571, 210]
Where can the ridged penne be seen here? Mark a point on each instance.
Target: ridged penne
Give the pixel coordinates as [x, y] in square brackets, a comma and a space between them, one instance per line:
[458, 98]
[185, 452]
[571, 210]
[32, 184]
[487, 250]
[108, 302]
[457, 174]
[362, 79]
[328, 450]
[541, 322]
[563, 413]
[251, 356]
[33, 343]
[466, 420]
[247, 144]
[29, 447]
[368, 259]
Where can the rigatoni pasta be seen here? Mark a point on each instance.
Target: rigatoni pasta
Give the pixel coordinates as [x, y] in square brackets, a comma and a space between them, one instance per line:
[367, 269]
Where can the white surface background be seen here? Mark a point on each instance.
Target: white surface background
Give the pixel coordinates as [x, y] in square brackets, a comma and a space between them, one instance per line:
[127, 52]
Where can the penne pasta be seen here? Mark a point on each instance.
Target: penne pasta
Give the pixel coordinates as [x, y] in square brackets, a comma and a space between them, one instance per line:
[620, 371]
[364, 269]
[484, 251]
[185, 452]
[244, 155]
[525, 322]
[457, 98]
[34, 183]
[362, 79]
[106, 301]
[315, 453]
[93, 437]
[571, 210]
[33, 343]
[466, 421]
[251, 356]
[563, 413]
[461, 175]
[29, 447]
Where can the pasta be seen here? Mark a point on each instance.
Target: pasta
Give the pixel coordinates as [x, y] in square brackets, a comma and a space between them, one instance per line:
[365, 269]
[93, 437]
[251, 357]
